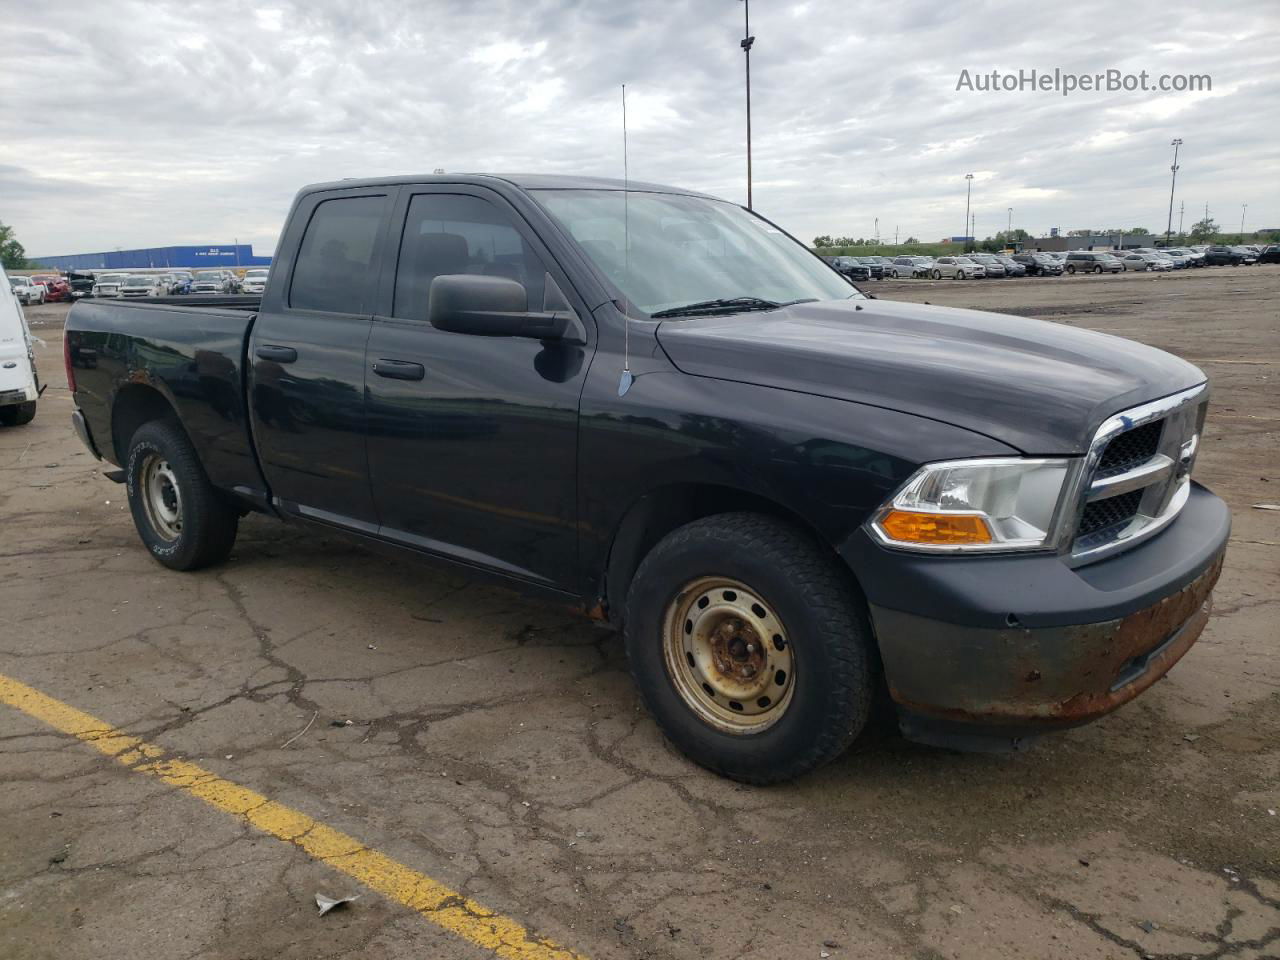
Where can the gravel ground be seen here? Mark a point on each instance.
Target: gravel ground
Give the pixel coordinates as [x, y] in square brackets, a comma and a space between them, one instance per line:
[496, 744]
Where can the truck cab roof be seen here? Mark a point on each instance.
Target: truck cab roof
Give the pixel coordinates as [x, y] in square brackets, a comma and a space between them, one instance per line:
[524, 181]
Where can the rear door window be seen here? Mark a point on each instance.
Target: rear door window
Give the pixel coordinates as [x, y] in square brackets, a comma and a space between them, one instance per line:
[335, 270]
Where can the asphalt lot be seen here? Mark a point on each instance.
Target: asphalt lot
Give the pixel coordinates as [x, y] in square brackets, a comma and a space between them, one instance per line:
[495, 745]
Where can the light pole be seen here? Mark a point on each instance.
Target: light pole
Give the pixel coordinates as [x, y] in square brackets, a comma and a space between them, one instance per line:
[1172, 183]
[1009, 229]
[747, 41]
[1243, 208]
[968, 192]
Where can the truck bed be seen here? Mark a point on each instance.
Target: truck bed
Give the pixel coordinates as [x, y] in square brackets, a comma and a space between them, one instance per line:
[127, 356]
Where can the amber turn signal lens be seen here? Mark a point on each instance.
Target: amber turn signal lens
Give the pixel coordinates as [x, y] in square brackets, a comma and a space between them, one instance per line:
[907, 526]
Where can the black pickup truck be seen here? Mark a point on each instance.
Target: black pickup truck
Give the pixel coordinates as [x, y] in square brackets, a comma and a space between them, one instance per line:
[793, 499]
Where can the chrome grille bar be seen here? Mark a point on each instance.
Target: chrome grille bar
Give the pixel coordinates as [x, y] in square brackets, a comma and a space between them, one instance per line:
[1164, 479]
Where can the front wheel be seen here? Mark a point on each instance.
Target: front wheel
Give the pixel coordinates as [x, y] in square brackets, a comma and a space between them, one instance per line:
[960, 275]
[1097, 269]
[750, 648]
[181, 518]
[1071, 270]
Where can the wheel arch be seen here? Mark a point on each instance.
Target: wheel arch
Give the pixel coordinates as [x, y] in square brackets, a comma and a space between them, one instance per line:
[136, 404]
[661, 510]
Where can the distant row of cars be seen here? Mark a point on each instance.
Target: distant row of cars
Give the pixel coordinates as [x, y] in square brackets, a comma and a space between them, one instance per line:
[1050, 263]
[55, 288]
[178, 283]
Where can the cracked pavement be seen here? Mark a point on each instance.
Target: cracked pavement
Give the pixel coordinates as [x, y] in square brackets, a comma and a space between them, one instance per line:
[496, 744]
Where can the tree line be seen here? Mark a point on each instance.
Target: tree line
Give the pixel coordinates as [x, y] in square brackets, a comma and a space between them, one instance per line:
[12, 253]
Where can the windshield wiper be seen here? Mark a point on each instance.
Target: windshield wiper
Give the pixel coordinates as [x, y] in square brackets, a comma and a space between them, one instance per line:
[729, 305]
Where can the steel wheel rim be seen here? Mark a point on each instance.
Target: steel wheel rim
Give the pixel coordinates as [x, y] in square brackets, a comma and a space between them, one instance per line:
[162, 498]
[728, 655]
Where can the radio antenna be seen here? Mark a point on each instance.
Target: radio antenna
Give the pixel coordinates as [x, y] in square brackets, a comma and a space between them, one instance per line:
[625, 381]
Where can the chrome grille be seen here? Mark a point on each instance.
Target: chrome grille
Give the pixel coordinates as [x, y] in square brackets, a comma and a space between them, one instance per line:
[1101, 515]
[1130, 449]
[1137, 474]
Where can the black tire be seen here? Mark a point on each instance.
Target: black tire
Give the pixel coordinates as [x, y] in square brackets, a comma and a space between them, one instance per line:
[1097, 269]
[937, 274]
[18, 414]
[207, 521]
[1071, 269]
[826, 624]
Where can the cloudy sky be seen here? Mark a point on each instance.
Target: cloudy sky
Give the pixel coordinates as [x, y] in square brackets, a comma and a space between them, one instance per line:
[145, 123]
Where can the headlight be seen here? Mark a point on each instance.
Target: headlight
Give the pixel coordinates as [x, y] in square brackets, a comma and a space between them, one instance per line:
[976, 505]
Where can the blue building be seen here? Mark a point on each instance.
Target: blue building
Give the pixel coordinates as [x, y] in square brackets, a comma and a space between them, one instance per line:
[195, 257]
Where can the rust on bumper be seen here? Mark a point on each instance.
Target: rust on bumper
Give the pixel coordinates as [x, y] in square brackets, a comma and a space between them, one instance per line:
[1041, 678]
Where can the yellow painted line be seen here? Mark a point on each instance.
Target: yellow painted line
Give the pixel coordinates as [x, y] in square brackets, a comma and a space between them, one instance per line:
[439, 904]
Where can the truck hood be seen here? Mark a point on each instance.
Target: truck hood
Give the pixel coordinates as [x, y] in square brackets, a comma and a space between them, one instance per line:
[1040, 387]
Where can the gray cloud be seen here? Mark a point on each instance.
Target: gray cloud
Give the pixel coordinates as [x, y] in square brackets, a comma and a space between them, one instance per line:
[139, 123]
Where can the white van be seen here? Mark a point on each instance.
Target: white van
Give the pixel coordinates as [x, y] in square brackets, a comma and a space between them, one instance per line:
[19, 387]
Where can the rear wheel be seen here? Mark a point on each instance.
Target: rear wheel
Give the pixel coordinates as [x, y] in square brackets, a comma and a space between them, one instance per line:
[937, 274]
[18, 414]
[749, 647]
[181, 518]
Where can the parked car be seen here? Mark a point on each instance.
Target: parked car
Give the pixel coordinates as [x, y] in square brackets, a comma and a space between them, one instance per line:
[180, 282]
[873, 265]
[910, 267]
[991, 266]
[19, 382]
[1012, 267]
[1179, 261]
[957, 268]
[1248, 256]
[792, 499]
[211, 281]
[852, 268]
[255, 280]
[108, 284]
[1220, 255]
[142, 285]
[1132, 260]
[81, 282]
[1092, 261]
[1192, 258]
[1270, 254]
[27, 292]
[1039, 264]
[57, 287]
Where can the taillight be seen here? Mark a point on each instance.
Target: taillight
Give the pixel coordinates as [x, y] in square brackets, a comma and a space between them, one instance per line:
[66, 359]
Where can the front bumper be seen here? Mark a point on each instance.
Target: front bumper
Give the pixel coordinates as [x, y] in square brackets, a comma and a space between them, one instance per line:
[982, 652]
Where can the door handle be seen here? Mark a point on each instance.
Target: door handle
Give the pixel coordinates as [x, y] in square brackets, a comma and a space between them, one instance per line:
[278, 354]
[399, 369]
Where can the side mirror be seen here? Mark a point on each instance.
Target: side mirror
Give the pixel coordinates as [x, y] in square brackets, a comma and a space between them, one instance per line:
[490, 307]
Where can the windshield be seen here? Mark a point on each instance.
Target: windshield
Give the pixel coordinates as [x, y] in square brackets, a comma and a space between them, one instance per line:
[258, 274]
[689, 249]
[137, 281]
[209, 275]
